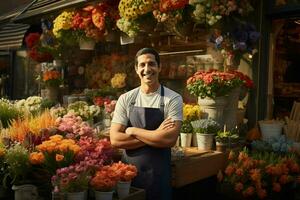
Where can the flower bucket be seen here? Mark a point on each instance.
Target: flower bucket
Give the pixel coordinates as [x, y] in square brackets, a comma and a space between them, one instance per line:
[76, 195]
[87, 44]
[270, 129]
[104, 195]
[205, 141]
[52, 93]
[194, 140]
[123, 189]
[221, 147]
[213, 108]
[25, 192]
[186, 139]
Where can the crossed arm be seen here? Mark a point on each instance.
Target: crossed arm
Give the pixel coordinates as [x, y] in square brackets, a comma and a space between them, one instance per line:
[130, 138]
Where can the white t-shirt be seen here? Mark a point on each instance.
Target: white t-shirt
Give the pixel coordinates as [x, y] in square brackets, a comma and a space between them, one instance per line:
[172, 101]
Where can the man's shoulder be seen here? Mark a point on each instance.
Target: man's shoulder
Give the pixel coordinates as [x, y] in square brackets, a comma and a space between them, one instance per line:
[128, 95]
[171, 93]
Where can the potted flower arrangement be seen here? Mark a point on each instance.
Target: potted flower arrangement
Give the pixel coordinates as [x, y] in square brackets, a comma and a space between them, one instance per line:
[190, 113]
[211, 88]
[72, 181]
[205, 130]
[52, 80]
[126, 172]
[260, 175]
[104, 182]
[186, 134]
[19, 170]
[225, 139]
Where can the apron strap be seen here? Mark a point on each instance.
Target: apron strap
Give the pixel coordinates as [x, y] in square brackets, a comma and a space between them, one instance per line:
[162, 102]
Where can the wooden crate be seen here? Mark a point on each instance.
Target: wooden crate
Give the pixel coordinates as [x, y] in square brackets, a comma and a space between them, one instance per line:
[196, 166]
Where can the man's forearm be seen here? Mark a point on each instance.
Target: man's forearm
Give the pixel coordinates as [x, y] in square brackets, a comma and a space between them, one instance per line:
[156, 138]
[125, 141]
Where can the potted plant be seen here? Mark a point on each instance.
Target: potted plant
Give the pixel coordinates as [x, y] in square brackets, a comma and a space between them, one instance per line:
[8, 112]
[225, 139]
[205, 130]
[104, 182]
[126, 172]
[72, 181]
[192, 112]
[186, 133]
[19, 170]
[211, 88]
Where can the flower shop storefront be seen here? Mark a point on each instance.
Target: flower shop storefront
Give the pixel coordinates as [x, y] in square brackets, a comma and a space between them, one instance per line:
[78, 59]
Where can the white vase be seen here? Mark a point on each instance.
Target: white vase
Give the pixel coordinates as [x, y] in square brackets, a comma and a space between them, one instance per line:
[230, 110]
[213, 108]
[76, 195]
[205, 141]
[186, 139]
[104, 195]
[87, 44]
[270, 129]
[123, 188]
[25, 192]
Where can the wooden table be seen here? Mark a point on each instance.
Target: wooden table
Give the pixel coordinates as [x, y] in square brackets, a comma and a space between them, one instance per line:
[196, 165]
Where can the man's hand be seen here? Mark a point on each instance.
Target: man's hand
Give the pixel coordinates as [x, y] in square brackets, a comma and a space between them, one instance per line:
[129, 131]
[166, 124]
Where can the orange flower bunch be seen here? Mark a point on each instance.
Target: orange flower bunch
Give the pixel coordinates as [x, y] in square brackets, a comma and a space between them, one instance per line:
[261, 174]
[55, 153]
[52, 77]
[105, 179]
[126, 172]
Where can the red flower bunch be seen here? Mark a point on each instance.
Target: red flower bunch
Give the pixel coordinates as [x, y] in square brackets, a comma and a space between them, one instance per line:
[94, 152]
[92, 20]
[32, 41]
[260, 173]
[247, 82]
[101, 101]
[126, 172]
[169, 5]
[105, 179]
[212, 84]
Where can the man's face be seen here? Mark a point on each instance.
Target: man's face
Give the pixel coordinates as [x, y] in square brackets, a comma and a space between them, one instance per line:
[147, 69]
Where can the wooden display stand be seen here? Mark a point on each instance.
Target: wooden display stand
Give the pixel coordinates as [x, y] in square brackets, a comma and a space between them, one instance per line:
[196, 165]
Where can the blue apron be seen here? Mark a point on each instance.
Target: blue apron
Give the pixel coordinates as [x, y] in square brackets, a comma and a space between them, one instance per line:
[153, 164]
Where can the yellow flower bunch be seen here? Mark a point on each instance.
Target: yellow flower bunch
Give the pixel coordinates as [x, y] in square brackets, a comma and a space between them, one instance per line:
[191, 112]
[58, 144]
[62, 21]
[119, 80]
[131, 9]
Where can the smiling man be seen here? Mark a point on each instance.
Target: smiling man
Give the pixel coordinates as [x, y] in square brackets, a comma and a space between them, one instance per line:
[146, 123]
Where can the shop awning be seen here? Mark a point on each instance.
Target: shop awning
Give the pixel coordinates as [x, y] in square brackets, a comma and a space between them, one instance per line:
[11, 35]
[42, 7]
[38, 7]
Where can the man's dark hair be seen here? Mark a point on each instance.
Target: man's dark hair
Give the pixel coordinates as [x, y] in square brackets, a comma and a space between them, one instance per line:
[146, 51]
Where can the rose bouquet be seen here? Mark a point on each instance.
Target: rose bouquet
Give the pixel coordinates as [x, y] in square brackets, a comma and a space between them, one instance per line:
[73, 126]
[212, 84]
[260, 174]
